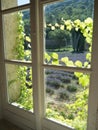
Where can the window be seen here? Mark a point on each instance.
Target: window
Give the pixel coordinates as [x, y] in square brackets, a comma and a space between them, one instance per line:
[16, 25]
[68, 44]
[18, 49]
[48, 57]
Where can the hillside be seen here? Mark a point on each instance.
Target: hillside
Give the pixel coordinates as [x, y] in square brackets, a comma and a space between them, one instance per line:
[69, 9]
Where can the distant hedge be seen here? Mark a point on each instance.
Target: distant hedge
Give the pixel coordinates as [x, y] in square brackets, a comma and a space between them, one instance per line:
[55, 44]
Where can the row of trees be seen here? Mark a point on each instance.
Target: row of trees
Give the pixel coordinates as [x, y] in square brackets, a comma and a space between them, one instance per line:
[64, 37]
[81, 33]
[69, 11]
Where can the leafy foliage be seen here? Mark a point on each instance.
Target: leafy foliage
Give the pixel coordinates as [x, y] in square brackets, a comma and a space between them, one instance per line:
[20, 37]
[77, 9]
[25, 99]
[85, 28]
[24, 73]
[73, 113]
[77, 110]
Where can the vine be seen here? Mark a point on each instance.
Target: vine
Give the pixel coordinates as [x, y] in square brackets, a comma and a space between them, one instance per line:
[24, 73]
[19, 47]
[86, 28]
[75, 115]
[75, 112]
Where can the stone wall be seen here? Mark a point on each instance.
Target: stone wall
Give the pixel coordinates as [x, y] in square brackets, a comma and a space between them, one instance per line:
[9, 35]
[8, 3]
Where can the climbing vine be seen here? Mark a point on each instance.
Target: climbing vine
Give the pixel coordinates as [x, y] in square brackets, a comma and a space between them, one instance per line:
[19, 47]
[24, 73]
[75, 114]
[86, 28]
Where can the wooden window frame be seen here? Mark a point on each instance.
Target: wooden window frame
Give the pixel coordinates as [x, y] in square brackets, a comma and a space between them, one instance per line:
[37, 119]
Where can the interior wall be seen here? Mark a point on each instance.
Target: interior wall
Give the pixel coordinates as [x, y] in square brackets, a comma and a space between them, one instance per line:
[5, 4]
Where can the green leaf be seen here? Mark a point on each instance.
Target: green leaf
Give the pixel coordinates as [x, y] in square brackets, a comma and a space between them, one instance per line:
[55, 62]
[54, 56]
[70, 63]
[78, 74]
[88, 56]
[28, 39]
[47, 57]
[89, 40]
[90, 49]
[65, 59]
[78, 63]
[85, 64]
[84, 80]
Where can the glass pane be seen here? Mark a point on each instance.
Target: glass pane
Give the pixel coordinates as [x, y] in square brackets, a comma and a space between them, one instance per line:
[66, 97]
[13, 3]
[19, 86]
[16, 35]
[68, 29]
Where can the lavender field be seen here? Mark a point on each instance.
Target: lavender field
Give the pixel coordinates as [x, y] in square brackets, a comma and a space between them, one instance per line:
[65, 96]
[73, 56]
[61, 86]
[60, 83]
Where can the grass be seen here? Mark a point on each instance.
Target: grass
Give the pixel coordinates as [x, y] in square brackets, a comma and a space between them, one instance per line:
[68, 49]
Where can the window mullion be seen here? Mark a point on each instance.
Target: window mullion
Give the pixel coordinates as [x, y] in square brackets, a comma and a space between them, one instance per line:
[10, 31]
[73, 69]
[36, 62]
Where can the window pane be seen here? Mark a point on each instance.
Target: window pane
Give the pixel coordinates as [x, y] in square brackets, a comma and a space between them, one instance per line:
[67, 97]
[68, 29]
[19, 86]
[13, 3]
[16, 35]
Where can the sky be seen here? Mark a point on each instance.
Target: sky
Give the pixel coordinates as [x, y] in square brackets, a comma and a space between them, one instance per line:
[22, 2]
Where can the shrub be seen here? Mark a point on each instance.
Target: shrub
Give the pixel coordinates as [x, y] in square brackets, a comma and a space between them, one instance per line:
[66, 80]
[48, 72]
[64, 95]
[50, 91]
[71, 88]
[53, 82]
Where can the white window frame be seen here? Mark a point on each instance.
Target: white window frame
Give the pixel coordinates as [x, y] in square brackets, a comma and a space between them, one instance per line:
[37, 120]
[20, 117]
[92, 123]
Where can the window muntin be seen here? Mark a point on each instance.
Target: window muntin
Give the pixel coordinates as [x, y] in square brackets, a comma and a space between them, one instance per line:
[13, 3]
[91, 115]
[17, 50]
[17, 39]
[68, 34]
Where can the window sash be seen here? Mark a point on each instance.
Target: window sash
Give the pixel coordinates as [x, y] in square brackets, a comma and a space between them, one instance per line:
[92, 106]
[37, 64]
